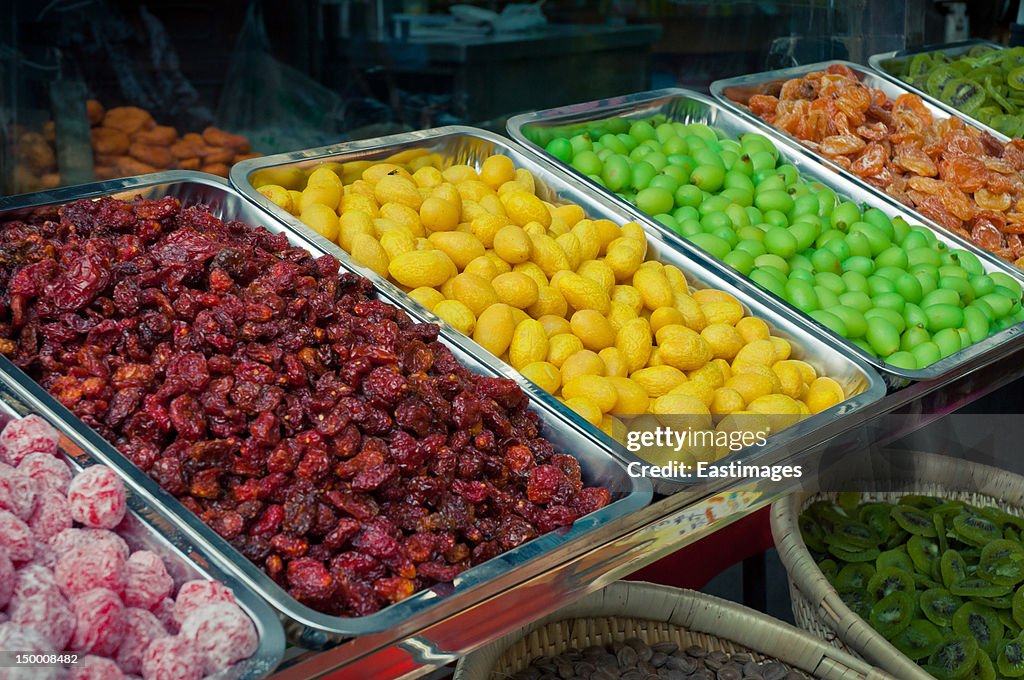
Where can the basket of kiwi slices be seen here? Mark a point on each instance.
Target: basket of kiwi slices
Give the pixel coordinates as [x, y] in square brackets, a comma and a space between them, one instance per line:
[925, 580]
[642, 630]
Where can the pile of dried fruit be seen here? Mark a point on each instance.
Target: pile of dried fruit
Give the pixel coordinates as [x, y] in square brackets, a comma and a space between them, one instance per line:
[333, 441]
[964, 179]
[69, 582]
[940, 579]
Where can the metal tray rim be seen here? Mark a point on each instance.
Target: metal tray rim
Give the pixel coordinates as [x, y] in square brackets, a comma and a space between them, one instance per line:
[636, 497]
[874, 390]
[936, 370]
[875, 60]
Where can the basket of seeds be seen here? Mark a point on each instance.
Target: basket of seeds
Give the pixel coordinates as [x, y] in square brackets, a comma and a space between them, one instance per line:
[922, 576]
[642, 631]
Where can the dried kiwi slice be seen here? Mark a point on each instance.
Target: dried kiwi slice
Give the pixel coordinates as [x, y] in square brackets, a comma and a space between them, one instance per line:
[980, 622]
[1010, 658]
[919, 501]
[830, 569]
[974, 529]
[827, 513]
[963, 94]
[812, 533]
[952, 567]
[914, 521]
[939, 78]
[854, 576]
[1015, 78]
[897, 557]
[954, 658]
[1001, 549]
[919, 65]
[892, 613]
[918, 640]
[1018, 606]
[865, 555]
[852, 535]
[923, 553]
[859, 602]
[984, 669]
[849, 501]
[878, 516]
[978, 587]
[890, 580]
[939, 605]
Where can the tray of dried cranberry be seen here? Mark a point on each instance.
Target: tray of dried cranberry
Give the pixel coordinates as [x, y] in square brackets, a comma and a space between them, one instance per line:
[90, 572]
[335, 453]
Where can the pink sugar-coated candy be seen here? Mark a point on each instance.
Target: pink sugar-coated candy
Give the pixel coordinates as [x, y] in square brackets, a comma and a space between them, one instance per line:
[141, 628]
[18, 493]
[193, 594]
[52, 515]
[44, 557]
[49, 472]
[48, 613]
[6, 579]
[97, 498]
[100, 622]
[30, 434]
[164, 612]
[223, 634]
[87, 567]
[73, 538]
[32, 580]
[16, 537]
[172, 658]
[146, 580]
[91, 667]
[17, 638]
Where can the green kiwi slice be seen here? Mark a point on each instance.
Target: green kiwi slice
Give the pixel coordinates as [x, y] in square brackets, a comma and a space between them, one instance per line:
[918, 640]
[914, 521]
[1010, 658]
[855, 576]
[952, 567]
[852, 535]
[954, 658]
[978, 587]
[1018, 606]
[849, 501]
[892, 613]
[890, 580]
[1015, 78]
[830, 569]
[939, 78]
[859, 602]
[919, 65]
[897, 557]
[984, 669]
[878, 516]
[923, 552]
[919, 501]
[974, 529]
[812, 533]
[939, 605]
[865, 555]
[980, 622]
[963, 94]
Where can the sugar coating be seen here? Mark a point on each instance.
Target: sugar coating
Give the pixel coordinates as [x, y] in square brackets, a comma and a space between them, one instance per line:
[72, 538]
[90, 667]
[146, 580]
[51, 516]
[164, 612]
[6, 578]
[97, 498]
[100, 622]
[30, 434]
[223, 634]
[48, 613]
[18, 493]
[193, 594]
[141, 628]
[32, 580]
[17, 638]
[16, 537]
[172, 658]
[48, 471]
[87, 567]
[44, 556]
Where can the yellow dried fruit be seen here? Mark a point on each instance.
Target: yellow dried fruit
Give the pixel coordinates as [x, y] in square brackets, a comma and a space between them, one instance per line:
[439, 214]
[473, 291]
[724, 340]
[658, 381]
[687, 350]
[547, 254]
[494, 329]
[593, 329]
[428, 297]
[582, 293]
[512, 244]
[483, 267]
[633, 340]
[614, 362]
[554, 324]
[461, 247]
[562, 346]
[549, 302]
[368, 252]
[421, 268]
[593, 387]
[529, 344]
[824, 393]
[523, 207]
[457, 314]
[583, 362]
[624, 257]
[631, 398]
[586, 408]
[322, 220]
[653, 287]
[397, 189]
[544, 374]
[515, 289]
[497, 170]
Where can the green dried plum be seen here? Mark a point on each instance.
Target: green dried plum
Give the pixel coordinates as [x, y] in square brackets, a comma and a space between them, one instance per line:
[939, 605]
[1010, 658]
[890, 580]
[954, 658]
[892, 613]
[976, 587]
[980, 622]
[974, 529]
[918, 640]
[952, 567]
[897, 557]
[914, 521]
[854, 576]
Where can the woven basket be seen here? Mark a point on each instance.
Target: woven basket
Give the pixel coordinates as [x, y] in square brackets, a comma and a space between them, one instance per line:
[654, 613]
[817, 606]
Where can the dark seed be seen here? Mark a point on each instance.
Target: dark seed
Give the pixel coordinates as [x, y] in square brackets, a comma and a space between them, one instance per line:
[658, 659]
[696, 652]
[665, 647]
[627, 657]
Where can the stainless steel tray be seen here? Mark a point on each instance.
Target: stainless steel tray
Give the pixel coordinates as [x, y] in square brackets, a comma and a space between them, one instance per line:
[148, 528]
[687, 106]
[472, 146]
[305, 626]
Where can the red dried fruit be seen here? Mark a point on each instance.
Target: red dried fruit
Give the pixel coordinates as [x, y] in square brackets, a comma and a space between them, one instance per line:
[52, 516]
[17, 493]
[23, 436]
[73, 538]
[141, 629]
[48, 471]
[16, 538]
[195, 594]
[90, 667]
[97, 497]
[48, 613]
[88, 567]
[172, 658]
[146, 581]
[6, 579]
[100, 625]
[164, 612]
[222, 633]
